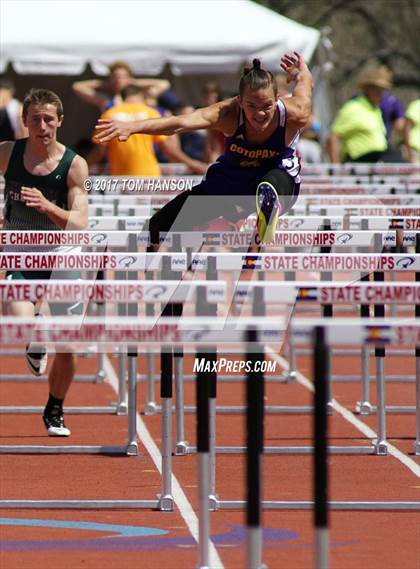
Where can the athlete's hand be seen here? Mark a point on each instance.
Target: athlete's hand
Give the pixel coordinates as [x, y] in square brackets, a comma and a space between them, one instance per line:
[34, 198]
[106, 130]
[293, 65]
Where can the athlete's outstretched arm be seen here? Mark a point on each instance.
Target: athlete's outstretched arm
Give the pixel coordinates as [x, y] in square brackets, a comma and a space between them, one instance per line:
[298, 106]
[214, 116]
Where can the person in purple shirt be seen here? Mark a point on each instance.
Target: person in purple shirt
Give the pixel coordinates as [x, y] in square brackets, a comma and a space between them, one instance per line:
[393, 112]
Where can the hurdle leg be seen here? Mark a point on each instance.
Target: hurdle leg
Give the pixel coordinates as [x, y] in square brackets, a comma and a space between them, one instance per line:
[417, 443]
[381, 446]
[255, 449]
[150, 407]
[291, 357]
[100, 370]
[417, 315]
[290, 374]
[132, 447]
[321, 364]
[166, 501]
[213, 498]
[203, 455]
[327, 312]
[122, 395]
[364, 407]
[181, 445]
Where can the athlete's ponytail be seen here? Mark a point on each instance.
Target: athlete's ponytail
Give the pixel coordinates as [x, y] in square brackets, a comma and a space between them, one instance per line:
[255, 77]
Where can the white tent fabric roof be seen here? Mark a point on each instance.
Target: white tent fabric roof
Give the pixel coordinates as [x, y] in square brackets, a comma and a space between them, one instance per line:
[201, 36]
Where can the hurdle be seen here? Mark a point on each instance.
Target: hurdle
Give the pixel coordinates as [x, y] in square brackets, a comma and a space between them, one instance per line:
[329, 292]
[349, 200]
[378, 332]
[256, 262]
[300, 261]
[190, 332]
[116, 292]
[365, 169]
[287, 222]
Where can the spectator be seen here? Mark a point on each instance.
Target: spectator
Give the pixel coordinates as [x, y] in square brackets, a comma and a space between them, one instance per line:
[106, 93]
[11, 125]
[358, 132]
[210, 94]
[214, 140]
[136, 157]
[193, 143]
[308, 146]
[392, 108]
[413, 131]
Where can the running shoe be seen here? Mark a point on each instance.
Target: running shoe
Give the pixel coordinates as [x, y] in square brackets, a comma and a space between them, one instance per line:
[268, 211]
[37, 358]
[55, 425]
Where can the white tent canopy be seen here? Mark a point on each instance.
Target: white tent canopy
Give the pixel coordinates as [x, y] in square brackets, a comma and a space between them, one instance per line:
[202, 36]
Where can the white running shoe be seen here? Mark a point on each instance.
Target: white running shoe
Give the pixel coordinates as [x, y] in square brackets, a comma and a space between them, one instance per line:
[55, 425]
[37, 358]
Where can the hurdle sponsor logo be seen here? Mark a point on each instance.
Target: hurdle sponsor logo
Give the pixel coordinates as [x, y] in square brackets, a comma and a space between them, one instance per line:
[166, 239]
[409, 239]
[405, 262]
[143, 238]
[223, 365]
[397, 224]
[133, 224]
[156, 292]
[389, 239]
[378, 334]
[178, 262]
[99, 238]
[307, 294]
[126, 261]
[213, 238]
[344, 238]
[295, 223]
[199, 262]
[215, 293]
[251, 262]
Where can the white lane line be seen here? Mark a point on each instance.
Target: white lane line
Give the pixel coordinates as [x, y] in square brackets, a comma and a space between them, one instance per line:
[350, 417]
[179, 496]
